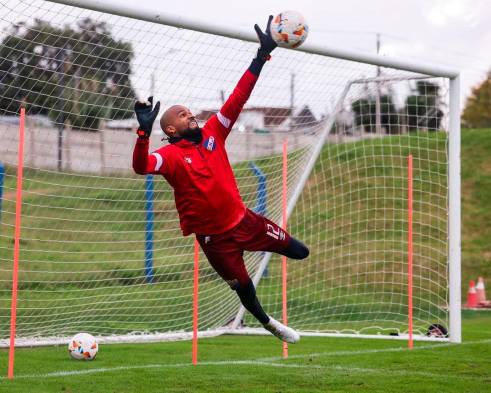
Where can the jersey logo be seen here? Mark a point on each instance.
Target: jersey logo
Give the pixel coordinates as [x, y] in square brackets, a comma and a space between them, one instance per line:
[209, 143]
[188, 160]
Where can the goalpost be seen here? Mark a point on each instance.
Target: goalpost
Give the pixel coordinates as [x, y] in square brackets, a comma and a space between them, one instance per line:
[100, 248]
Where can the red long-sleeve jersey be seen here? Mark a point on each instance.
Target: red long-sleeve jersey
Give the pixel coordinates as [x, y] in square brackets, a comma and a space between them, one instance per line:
[206, 194]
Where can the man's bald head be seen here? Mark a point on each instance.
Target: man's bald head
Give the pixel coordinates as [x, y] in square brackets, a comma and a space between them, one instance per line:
[176, 120]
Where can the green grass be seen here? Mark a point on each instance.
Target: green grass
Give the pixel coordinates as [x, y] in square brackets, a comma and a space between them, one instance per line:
[102, 214]
[84, 235]
[254, 364]
[476, 205]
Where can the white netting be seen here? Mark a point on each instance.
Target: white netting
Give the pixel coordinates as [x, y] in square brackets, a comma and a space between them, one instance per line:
[84, 212]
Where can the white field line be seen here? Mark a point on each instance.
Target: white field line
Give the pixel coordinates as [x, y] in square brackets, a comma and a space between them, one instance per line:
[272, 362]
[339, 369]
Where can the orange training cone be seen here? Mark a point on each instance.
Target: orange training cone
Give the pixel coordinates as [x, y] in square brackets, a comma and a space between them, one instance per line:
[472, 295]
[480, 291]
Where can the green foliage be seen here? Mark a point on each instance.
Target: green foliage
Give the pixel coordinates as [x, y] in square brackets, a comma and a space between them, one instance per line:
[477, 112]
[476, 205]
[254, 364]
[117, 206]
[422, 109]
[365, 114]
[88, 109]
[79, 74]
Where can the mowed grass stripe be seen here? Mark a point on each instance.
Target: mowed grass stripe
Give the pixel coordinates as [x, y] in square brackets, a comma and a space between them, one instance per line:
[273, 362]
[256, 363]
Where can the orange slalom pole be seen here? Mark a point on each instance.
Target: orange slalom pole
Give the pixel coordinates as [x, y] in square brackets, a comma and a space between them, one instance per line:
[283, 258]
[15, 269]
[410, 247]
[195, 302]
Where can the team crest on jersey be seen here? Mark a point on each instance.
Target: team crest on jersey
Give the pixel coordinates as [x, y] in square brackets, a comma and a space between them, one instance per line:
[209, 143]
[188, 160]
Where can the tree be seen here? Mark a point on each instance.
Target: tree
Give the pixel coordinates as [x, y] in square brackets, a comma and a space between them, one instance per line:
[78, 74]
[422, 108]
[477, 111]
[366, 116]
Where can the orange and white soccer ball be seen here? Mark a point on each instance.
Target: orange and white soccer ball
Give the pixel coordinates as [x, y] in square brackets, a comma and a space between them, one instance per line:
[83, 346]
[289, 29]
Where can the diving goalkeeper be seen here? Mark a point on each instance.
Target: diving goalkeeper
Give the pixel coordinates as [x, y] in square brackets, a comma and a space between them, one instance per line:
[196, 165]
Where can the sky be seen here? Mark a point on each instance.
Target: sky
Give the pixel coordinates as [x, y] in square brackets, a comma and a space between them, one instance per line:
[455, 34]
[452, 33]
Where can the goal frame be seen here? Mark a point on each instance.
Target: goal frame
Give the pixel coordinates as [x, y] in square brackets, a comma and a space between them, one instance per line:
[454, 180]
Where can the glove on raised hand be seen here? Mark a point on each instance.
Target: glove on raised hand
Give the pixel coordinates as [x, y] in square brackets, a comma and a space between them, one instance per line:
[146, 116]
[267, 43]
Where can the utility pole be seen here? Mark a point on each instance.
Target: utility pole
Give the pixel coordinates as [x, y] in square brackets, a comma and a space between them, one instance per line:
[378, 122]
[292, 107]
[292, 93]
[62, 69]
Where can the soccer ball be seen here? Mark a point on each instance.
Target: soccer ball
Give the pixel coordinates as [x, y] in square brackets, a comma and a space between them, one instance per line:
[83, 347]
[289, 29]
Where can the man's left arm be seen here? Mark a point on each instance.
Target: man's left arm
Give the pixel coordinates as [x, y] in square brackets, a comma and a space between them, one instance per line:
[230, 111]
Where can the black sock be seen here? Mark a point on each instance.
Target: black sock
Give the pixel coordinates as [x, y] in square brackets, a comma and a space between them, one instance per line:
[296, 249]
[250, 301]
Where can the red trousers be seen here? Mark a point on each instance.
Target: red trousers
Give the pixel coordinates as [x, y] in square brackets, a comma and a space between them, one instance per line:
[225, 251]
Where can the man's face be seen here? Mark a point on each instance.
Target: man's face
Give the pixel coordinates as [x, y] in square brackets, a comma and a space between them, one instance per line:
[178, 121]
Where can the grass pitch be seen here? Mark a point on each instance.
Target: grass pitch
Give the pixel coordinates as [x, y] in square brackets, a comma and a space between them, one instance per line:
[254, 364]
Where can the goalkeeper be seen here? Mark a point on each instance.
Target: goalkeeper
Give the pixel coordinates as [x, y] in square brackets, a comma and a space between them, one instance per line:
[207, 198]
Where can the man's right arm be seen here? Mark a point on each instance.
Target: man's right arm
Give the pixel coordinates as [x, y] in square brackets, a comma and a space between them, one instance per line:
[144, 163]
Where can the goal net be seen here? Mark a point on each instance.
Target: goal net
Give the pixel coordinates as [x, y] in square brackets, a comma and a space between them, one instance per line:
[100, 247]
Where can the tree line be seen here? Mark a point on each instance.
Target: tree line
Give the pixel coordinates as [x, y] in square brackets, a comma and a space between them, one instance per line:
[81, 74]
[477, 110]
[421, 111]
[77, 74]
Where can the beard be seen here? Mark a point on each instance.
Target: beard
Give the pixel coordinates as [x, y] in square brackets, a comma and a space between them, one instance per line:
[191, 134]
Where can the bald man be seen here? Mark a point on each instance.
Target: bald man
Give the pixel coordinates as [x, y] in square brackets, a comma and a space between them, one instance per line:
[196, 165]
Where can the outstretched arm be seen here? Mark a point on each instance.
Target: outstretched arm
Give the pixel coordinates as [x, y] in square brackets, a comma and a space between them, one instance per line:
[230, 111]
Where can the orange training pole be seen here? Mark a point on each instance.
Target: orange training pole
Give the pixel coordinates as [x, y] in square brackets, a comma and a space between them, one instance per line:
[283, 258]
[195, 302]
[410, 246]
[15, 270]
